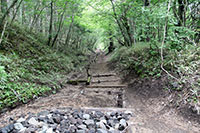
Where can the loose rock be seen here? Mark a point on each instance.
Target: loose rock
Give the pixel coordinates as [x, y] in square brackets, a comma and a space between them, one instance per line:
[86, 116]
[18, 126]
[33, 122]
[69, 121]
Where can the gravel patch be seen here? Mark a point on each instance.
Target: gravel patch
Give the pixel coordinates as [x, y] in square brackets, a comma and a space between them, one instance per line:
[70, 121]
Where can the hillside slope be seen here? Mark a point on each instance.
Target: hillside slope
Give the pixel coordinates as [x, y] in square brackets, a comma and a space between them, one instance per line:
[29, 68]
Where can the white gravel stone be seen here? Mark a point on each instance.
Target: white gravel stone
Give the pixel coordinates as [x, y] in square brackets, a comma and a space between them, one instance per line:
[18, 126]
[86, 116]
[50, 130]
[33, 122]
[123, 122]
[21, 120]
[117, 126]
[23, 130]
[128, 112]
[101, 131]
[82, 127]
[108, 113]
[89, 122]
[49, 116]
[102, 125]
[104, 121]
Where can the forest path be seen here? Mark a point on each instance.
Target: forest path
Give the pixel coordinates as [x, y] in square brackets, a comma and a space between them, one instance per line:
[107, 92]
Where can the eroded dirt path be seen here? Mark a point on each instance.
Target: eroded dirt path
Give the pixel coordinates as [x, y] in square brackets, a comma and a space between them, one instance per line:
[105, 91]
[151, 114]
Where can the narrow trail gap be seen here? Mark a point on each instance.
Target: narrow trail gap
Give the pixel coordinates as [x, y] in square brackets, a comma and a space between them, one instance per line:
[107, 92]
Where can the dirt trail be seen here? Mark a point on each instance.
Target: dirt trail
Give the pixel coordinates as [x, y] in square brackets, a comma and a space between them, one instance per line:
[106, 91]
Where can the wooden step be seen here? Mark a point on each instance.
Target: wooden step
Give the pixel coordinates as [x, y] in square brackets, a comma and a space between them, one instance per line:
[104, 75]
[106, 86]
[103, 81]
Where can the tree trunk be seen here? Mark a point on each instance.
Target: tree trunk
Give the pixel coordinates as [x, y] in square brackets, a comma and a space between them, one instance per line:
[17, 9]
[7, 11]
[146, 3]
[111, 46]
[59, 27]
[69, 31]
[23, 14]
[181, 10]
[127, 27]
[118, 23]
[50, 25]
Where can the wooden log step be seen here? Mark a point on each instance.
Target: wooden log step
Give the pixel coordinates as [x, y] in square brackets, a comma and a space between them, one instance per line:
[104, 75]
[103, 81]
[106, 86]
[78, 81]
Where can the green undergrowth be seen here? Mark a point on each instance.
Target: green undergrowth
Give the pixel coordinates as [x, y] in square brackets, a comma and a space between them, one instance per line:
[137, 59]
[183, 65]
[29, 68]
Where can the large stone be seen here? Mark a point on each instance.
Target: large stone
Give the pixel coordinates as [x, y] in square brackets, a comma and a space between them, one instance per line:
[117, 126]
[111, 123]
[57, 119]
[33, 122]
[43, 113]
[7, 129]
[49, 116]
[73, 120]
[50, 121]
[92, 131]
[72, 128]
[20, 120]
[128, 112]
[30, 130]
[113, 114]
[22, 130]
[4, 130]
[101, 125]
[82, 127]
[18, 126]
[64, 123]
[44, 129]
[112, 130]
[80, 131]
[108, 113]
[101, 131]
[99, 114]
[50, 130]
[121, 127]
[86, 116]
[79, 121]
[43, 118]
[123, 122]
[89, 122]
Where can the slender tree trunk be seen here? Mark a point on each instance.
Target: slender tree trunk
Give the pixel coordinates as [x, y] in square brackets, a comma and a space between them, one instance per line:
[59, 27]
[127, 27]
[181, 10]
[7, 11]
[35, 20]
[23, 14]
[69, 31]
[146, 3]
[17, 9]
[118, 23]
[36, 8]
[50, 25]
[111, 46]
